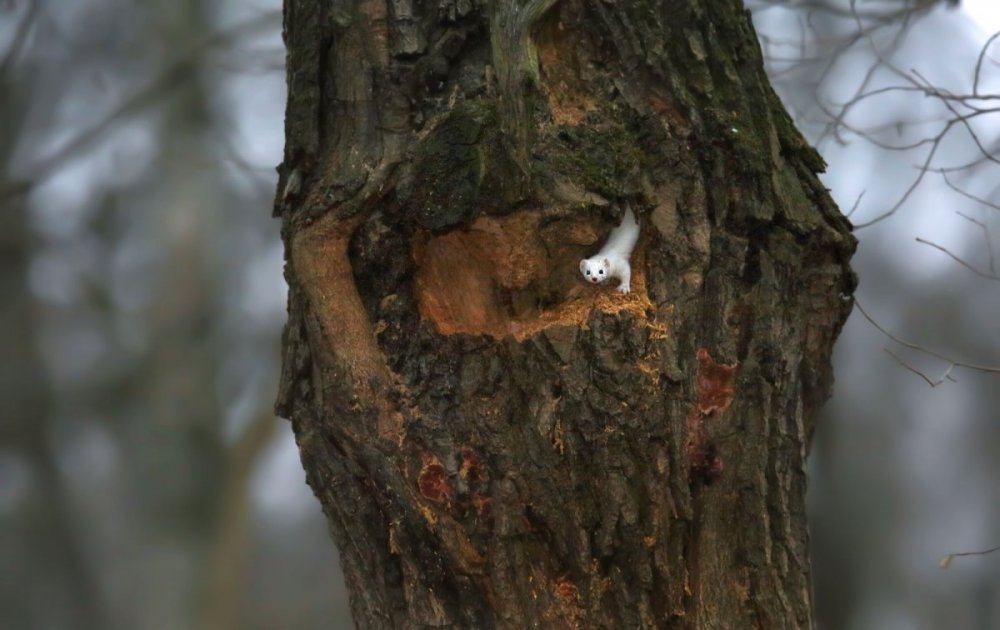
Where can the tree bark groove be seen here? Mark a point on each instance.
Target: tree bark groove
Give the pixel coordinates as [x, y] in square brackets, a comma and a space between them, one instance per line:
[495, 443]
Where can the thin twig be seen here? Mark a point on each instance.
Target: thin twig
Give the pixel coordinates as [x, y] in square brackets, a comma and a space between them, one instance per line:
[946, 561]
[964, 120]
[857, 202]
[967, 195]
[946, 376]
[986, 237]
[978, 272]
[913, 346]
[979, 62]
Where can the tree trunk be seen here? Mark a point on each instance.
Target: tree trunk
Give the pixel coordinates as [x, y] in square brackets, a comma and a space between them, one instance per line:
[495, 443]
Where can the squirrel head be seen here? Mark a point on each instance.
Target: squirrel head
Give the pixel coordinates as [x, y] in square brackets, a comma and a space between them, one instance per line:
[595, 269]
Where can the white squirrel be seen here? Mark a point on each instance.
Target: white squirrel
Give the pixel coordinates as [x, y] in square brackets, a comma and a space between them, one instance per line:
[612, 260]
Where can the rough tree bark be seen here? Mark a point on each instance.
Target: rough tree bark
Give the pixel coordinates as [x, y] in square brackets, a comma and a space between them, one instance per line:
[495, 443]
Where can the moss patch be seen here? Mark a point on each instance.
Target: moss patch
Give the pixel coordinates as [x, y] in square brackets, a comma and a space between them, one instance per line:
[460, 170]
[603, 158]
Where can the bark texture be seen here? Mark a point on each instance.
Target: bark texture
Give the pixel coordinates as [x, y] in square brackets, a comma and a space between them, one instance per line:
[495, 443]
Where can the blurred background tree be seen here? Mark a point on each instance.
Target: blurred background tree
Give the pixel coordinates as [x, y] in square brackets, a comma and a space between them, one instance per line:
[144, 482]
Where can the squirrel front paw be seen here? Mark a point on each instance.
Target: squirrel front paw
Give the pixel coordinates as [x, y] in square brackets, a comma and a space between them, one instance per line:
[623, 288]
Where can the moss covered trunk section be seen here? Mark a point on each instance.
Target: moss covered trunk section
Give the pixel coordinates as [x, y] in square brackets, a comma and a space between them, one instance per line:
[496, 443]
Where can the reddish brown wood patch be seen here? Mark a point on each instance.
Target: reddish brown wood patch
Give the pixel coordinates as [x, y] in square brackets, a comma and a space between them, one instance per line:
[715, 384]
[715, 392]
[462, 273]
[433, 480]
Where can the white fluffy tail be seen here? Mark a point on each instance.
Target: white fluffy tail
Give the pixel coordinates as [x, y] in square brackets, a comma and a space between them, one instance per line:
[622, 239]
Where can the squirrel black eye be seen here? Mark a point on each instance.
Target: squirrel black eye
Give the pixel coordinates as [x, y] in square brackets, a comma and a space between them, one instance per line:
[601, 272]
[588, 272]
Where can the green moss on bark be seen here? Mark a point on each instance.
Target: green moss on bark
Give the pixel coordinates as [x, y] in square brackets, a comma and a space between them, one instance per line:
[459, 170]
[603, 158]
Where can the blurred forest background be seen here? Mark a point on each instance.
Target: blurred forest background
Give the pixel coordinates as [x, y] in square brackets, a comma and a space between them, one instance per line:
[144, 482]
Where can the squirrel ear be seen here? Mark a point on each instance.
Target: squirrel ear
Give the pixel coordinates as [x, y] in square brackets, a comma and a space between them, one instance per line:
[583, 266]
[607, 262]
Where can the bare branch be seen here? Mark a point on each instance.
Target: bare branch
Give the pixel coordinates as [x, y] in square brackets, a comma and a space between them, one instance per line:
[965, 194]
[909, 191]
[964, 120]
[178, 71]
[983, 274]
[869, 23]
[946, 561]
[857, 202]
[913, 346]
[933, 383]
[979, 62]
[986, 237]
